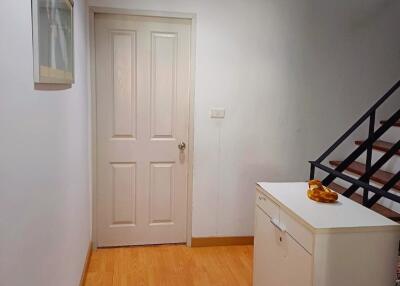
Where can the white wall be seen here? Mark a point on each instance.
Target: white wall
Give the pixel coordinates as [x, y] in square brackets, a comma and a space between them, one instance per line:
[292, 75]
[44, 193]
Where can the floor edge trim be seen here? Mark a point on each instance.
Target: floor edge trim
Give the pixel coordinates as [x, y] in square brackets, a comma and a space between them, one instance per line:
[222, 241]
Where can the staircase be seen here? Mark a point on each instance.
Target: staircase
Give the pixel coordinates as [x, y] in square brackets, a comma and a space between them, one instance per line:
[370, 175]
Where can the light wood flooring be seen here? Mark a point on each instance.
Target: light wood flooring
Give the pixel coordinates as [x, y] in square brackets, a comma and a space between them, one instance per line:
[172, 265]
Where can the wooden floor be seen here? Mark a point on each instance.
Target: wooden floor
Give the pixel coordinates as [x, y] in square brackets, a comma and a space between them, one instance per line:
[171, 265]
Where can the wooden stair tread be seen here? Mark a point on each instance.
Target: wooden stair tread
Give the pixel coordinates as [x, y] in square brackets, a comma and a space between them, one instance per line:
[376, 207]
[380, 176]
[380, 145]
[397, 124]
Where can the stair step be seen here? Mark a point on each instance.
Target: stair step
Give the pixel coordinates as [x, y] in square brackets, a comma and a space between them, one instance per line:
[397, 124]
[380, 145]
[376, 207]
[380, 176]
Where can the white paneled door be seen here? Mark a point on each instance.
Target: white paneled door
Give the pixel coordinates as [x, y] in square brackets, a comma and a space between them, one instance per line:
[142, 94]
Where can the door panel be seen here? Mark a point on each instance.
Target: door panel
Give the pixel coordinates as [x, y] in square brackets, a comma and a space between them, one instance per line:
[124, 70]
[142, 94]
[162, 193]
[124, 188]
[163, 84]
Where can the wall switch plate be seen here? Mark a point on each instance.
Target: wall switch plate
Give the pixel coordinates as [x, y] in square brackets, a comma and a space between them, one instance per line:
[217, 113]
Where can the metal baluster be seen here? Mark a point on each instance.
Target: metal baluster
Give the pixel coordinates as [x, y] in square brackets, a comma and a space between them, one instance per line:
[369, 154]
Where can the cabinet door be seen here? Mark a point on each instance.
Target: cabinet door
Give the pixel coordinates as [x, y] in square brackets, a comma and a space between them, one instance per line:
[297, 263]
[278, 259]
[268, 255]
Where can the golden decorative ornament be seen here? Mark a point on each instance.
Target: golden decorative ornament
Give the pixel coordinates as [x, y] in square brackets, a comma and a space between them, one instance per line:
[319, 193]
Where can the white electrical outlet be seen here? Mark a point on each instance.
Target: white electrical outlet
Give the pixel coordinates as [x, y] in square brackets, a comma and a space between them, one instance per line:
[217, 113]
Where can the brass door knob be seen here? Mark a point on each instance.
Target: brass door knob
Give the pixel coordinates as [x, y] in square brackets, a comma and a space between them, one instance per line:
[182, 146]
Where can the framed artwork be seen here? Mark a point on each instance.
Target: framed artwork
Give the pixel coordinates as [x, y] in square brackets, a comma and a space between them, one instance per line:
[53, 41]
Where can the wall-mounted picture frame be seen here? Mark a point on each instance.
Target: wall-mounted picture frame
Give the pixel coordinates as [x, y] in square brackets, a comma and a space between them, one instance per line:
[53, 41]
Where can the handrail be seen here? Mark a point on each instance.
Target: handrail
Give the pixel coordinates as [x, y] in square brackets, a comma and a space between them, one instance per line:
[375, 167]
[359, 122]
[352, 180]
[370, 140]
[385, 188]
[366, 145]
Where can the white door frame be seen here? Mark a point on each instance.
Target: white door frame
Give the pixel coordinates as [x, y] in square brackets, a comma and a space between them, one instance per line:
[92, 107]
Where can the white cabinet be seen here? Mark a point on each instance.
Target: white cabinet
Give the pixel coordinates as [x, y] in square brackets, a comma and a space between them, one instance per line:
[279, 259]
[299, 242]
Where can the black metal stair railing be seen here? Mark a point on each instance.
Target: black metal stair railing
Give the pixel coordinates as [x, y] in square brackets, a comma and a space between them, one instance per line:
[366, 146]
[368, 173]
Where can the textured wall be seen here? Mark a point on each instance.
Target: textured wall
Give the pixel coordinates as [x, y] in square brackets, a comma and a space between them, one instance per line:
[44, 182]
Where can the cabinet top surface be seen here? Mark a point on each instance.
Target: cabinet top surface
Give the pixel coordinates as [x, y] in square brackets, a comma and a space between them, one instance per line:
[343, 214]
